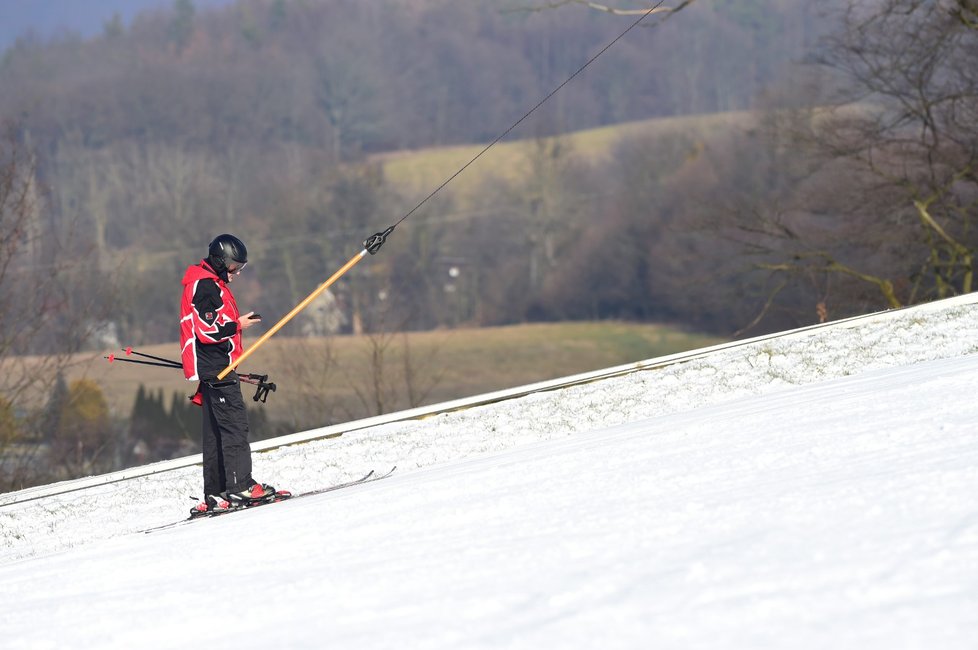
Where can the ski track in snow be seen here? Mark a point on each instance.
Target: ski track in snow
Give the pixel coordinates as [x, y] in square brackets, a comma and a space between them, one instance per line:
[810, 492]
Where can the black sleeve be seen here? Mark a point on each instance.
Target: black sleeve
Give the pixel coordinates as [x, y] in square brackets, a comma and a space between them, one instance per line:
[210, 308]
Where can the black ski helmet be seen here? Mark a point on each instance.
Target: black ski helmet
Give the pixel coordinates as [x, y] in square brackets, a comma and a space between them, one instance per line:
[227, 250]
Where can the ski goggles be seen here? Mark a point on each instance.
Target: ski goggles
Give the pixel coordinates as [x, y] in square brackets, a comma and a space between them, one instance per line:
[236, 267]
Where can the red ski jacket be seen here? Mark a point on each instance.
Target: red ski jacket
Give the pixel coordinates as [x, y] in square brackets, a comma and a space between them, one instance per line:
[210, 335]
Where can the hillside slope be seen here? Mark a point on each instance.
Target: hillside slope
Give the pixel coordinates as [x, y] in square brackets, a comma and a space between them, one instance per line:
[815, 490]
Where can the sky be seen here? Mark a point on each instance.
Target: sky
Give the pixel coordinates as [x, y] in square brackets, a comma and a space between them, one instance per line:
[810, 491]
[46, 18]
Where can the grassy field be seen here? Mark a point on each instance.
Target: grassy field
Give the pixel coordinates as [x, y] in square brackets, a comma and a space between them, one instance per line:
[324, 381]
[418, 172]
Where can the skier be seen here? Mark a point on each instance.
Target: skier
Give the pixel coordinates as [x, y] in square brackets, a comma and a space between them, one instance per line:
[210, 336]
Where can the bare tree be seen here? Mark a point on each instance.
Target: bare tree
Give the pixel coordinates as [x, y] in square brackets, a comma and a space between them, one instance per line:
[613, 10]
[35, 308]
[29, 292]
[882, 188]
[550, 207]
[912, 59]
[311, 372]
[965, 11]
[389, 375]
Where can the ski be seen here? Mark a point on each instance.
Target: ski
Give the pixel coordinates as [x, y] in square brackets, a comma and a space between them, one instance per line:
[280, 495]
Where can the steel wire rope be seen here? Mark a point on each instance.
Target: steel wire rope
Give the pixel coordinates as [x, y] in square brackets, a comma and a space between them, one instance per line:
[529, 112]
[373, 244]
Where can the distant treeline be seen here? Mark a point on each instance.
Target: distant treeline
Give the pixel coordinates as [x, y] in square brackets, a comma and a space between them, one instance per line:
[266, 119]
[346, 76]
[258, 119]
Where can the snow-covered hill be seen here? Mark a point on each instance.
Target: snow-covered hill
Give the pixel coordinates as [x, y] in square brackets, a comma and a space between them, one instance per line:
[806, 492]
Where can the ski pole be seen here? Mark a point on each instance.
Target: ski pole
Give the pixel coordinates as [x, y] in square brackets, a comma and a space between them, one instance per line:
[371, 245]
[112, 358]
[130, 351]
[164, 363]
[261, 381]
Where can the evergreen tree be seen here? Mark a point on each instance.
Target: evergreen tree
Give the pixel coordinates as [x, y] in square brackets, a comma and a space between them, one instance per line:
[138, 421]
[185, 417]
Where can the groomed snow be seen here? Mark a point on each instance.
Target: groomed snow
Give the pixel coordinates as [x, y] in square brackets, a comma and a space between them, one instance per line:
[806, 492]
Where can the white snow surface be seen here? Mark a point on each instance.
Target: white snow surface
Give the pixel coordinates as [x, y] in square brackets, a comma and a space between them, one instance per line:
[806, 492]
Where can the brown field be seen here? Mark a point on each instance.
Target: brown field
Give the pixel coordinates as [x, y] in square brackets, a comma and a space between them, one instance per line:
[324, 381]
[415, 173]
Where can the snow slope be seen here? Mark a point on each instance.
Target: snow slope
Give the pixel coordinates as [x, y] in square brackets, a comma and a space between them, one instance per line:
[809, 494]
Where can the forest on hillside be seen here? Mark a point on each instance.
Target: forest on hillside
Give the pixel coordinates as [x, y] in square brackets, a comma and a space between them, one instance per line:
[813, 161]
[260, 119]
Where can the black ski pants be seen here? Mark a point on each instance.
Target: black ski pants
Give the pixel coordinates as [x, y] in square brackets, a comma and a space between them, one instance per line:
[224, 439]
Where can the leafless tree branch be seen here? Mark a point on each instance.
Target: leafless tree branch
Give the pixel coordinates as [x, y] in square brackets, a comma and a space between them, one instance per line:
[554, 4]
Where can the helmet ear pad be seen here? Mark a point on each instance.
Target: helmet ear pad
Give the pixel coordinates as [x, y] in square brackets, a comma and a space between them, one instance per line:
[217, 263]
